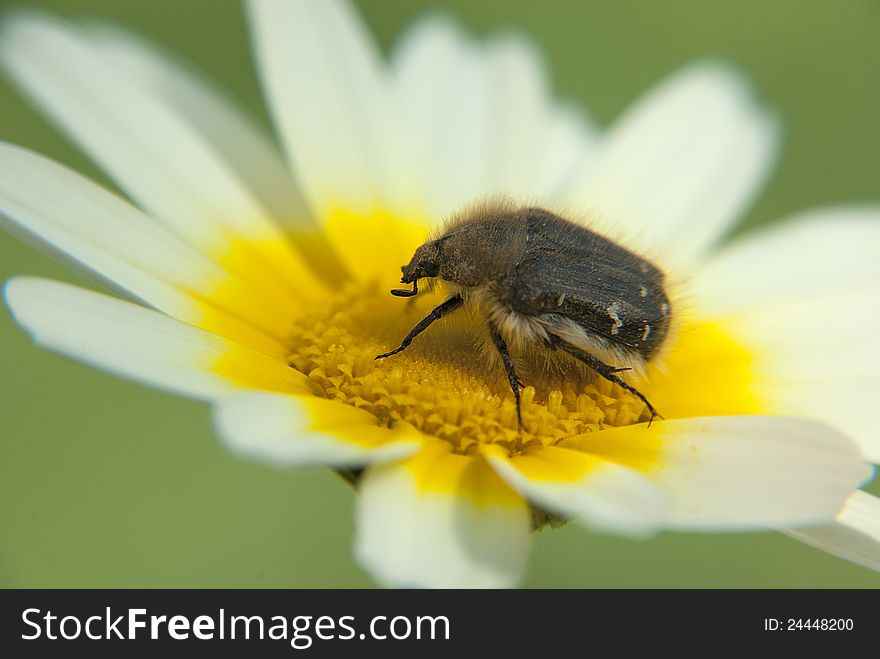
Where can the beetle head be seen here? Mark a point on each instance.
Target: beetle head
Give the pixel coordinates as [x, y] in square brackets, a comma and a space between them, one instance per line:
[424, 263]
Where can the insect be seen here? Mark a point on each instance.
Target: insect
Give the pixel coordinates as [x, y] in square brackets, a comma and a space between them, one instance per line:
[543, 281]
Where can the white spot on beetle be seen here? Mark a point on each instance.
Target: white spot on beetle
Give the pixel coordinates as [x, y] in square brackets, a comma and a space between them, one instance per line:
[614, 314]
[560, 299]
[646, 332]
[664, 309]
[643, 292]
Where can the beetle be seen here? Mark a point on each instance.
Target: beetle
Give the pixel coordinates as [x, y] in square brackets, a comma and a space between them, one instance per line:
[541, 280]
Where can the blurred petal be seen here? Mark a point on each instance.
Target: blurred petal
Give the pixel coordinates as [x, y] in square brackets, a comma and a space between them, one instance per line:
[818, 357]
[675, 172]
[242, 145]
[597, 492]
[738, 472]
[520, 118]
[441, 83]
[301, 431]
[854, 535]
[817, 252]
[333, 109]
[482, 119]
[441, 520]
[569, 144]
[804, 296]
[141, 344]
[103, 236]
[151, 147]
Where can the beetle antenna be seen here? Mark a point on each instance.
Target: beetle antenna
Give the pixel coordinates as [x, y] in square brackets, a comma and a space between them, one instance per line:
[402, 292]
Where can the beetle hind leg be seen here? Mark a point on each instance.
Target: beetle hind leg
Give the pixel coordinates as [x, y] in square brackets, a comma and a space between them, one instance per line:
[606, 371]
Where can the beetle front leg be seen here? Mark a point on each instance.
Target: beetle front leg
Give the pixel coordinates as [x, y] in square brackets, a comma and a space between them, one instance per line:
[447, 307]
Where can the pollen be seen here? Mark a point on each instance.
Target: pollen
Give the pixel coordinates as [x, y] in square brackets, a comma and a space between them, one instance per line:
[445, 384]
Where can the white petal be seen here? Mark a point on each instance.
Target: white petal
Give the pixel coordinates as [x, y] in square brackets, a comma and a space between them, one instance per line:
[243, 146]
[519, 114]
[804, 297]
[140, 344]
[299, 431]
[818, 357]
[441, 81]
[148, 145]
[332, 105]
[440, 520]
[93, 230]
[102, 235]
[738, 472]
[682, 164]
[481, 118]
[596, 492]
[854, 535]
[571, 142]
[825, 250]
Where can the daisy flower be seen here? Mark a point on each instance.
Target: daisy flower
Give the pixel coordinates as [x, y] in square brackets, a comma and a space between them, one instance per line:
[260, 284]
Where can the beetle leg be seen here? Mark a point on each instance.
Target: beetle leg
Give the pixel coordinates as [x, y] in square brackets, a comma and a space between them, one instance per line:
[515, 383]
[606, 371]
[449, 306]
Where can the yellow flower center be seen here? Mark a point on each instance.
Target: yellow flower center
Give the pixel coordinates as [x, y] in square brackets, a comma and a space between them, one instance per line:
[446, 384]
[449, 383]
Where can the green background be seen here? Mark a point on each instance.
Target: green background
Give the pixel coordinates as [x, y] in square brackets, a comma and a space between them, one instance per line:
[105, 483]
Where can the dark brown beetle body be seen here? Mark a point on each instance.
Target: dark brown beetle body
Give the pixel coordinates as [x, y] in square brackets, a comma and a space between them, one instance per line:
[542, 280]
